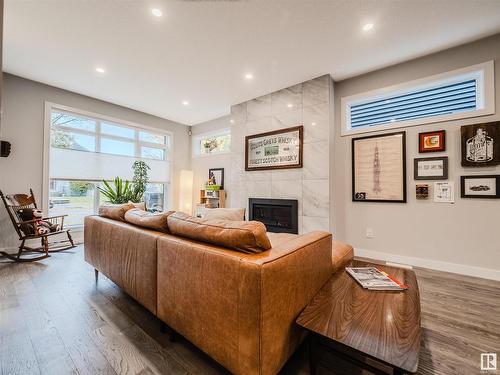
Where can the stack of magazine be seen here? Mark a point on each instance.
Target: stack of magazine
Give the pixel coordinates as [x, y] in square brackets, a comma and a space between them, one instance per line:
[374, 279]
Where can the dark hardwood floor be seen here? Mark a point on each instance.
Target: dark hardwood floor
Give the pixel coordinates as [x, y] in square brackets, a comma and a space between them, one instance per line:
[54, 320]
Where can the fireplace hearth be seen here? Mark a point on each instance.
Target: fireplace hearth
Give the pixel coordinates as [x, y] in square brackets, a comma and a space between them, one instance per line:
[278, 215]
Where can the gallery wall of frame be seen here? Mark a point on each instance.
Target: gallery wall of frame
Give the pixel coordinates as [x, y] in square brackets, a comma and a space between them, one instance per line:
[379, 165]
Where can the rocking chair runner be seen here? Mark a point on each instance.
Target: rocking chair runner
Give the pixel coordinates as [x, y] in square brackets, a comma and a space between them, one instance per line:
[15, 203]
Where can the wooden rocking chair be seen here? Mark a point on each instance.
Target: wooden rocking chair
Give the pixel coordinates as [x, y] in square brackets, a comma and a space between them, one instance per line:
[13, 204]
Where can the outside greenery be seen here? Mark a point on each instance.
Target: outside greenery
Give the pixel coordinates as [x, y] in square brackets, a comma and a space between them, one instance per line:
[219, 143]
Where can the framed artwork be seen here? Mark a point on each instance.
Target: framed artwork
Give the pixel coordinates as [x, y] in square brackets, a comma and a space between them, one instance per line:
[430, 168]
[486, 186]
[444, 192]
[432, 141]
[481, 144]
[279, 149]
[379, 168]
[422, 191]
[216, 175]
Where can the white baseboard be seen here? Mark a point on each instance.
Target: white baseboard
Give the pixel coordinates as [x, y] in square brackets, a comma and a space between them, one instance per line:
[485, 273]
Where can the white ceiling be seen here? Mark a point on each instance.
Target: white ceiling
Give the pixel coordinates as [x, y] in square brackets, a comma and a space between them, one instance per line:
[200, 51]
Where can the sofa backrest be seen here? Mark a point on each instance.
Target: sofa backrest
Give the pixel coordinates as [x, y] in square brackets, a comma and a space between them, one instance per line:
[241, 308]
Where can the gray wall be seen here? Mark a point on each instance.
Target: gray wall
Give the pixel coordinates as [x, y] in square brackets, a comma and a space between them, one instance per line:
[310, 185]
[23, 124]
[465, 233]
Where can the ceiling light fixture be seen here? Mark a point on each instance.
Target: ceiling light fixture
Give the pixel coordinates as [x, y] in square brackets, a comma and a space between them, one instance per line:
[368, 26]
[289, 105]
[100, 69]
[231, 121]
[249, 76]
[156, 12]
[185, 102]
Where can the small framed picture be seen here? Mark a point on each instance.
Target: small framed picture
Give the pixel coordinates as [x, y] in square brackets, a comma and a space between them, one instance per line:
[430, 168]
[216, 177]
[432, 141]
[480, 186]
[444, 192]
[422, 191]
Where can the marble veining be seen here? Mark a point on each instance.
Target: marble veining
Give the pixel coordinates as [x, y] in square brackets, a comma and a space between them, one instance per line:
[316, 91]
[315, 198]
[259, 107]
[286, 100]
[316, 160]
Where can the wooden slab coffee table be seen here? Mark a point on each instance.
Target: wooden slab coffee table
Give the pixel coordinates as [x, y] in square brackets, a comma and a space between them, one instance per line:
[359, 331]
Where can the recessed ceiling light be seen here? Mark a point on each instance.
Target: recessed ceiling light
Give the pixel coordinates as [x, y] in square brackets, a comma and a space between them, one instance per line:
[289, 105]
[100, 69]
[185, 102]
[231, 121]
[156, 12]
[368, 26]
[313, 123]
[249, 76]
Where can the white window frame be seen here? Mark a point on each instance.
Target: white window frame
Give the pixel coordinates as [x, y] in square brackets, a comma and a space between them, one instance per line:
[484, 74]
[98, 135]
[50, 107]
[196, 139]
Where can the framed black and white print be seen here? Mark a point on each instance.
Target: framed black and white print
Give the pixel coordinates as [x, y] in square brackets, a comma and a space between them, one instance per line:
[430, 168]
[379, 168]
[218, 176]
[481, 144]
[480, 186]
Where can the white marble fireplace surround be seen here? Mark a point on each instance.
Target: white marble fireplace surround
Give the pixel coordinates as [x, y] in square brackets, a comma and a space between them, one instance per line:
[306, 104]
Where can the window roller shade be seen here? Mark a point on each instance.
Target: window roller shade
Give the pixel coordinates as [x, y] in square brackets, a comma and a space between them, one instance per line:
[430, 102]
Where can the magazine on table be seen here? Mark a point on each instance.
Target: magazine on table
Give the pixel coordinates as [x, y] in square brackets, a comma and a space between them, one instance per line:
[374, 279]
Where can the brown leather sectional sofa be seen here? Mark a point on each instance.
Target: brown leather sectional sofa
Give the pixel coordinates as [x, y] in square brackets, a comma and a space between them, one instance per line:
[239, 308]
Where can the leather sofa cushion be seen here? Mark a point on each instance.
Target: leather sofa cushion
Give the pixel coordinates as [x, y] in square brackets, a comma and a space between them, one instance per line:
[244, 236]
[235, 214]
[115, 211]
[155, 221]
[140, 205]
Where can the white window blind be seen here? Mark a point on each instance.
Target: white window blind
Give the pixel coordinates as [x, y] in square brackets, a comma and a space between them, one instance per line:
[467, 92]
[440, 100]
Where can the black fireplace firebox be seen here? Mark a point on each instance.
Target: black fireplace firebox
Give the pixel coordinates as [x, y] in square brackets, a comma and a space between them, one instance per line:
[278, 215]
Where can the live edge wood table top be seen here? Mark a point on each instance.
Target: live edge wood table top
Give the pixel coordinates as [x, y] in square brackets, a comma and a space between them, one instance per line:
[381, 325]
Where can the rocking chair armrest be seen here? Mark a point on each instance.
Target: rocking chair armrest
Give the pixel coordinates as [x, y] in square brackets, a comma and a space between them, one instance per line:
[53, 217]
[27, 222]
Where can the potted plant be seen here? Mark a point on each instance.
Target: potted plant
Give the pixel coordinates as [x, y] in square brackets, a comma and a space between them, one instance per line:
[123, 191]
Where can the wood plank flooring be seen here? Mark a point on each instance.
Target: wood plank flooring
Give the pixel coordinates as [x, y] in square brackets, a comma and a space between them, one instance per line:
[54, 319]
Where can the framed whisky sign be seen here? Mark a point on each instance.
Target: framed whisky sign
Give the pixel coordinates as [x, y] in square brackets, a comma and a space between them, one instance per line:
[481, 144]
[279, 149]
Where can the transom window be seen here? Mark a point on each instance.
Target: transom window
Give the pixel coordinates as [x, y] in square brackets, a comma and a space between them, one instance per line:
[463, 93]
[76, 132]
[212, 143]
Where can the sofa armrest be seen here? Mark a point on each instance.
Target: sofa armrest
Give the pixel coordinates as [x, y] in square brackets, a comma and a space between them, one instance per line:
[342, 254]
[289, 281]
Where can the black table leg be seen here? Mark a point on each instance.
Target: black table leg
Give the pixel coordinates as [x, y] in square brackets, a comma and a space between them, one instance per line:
[312, 358]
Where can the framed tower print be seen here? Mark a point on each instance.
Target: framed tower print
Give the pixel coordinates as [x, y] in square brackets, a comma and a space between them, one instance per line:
[379, 168]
